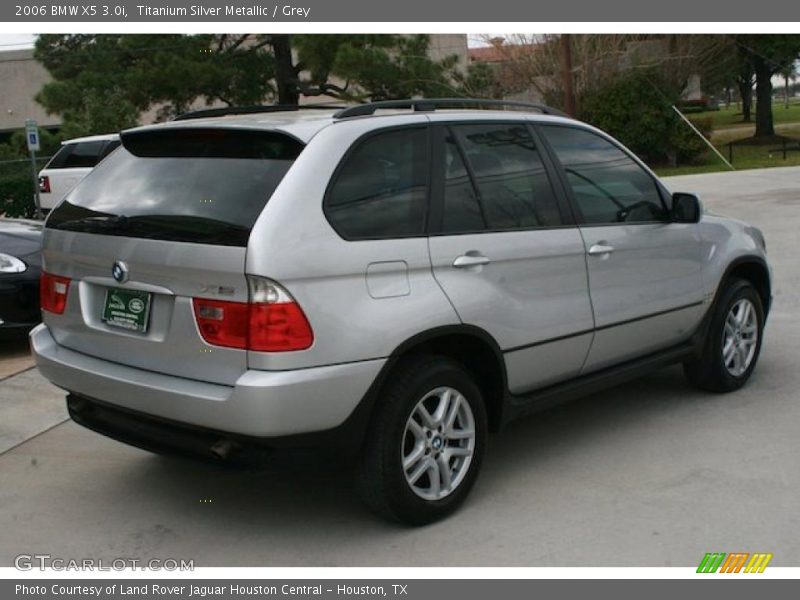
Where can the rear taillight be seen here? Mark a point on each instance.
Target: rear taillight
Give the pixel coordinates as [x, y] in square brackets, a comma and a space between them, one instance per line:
[271, 321]
[44, 184]
[53, 292]
[222, 323]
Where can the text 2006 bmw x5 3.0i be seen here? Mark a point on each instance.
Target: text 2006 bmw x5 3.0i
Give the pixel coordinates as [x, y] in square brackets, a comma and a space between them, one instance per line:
[401, 277]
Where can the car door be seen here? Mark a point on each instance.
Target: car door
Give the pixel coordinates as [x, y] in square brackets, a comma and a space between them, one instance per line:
[505, 252]
[644, 270]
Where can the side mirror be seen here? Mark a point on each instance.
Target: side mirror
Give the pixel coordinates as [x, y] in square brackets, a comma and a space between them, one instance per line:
[686, 208]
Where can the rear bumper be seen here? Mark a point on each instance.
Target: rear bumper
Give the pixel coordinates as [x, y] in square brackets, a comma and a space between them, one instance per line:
[262, 404]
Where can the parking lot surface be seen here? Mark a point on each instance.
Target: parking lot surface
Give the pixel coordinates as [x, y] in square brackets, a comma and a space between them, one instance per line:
[651, 473]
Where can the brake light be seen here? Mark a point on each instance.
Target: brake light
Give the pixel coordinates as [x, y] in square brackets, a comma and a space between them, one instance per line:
[53, 292]
[278, 328]
[44, 184]
[222, 323]
[271, 321]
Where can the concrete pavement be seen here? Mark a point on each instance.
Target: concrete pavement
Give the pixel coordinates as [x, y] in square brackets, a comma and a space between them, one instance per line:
[652, 473]
[15, 357]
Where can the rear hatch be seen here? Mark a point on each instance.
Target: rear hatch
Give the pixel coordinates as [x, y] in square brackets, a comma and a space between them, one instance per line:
[163, 220]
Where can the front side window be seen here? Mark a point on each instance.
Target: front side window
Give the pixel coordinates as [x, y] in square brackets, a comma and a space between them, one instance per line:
[511, 187]
[381, 189]
[608, 185]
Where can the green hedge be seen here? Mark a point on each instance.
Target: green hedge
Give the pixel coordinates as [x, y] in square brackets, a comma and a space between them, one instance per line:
[16, 187]
[16, 196]
[16, 179]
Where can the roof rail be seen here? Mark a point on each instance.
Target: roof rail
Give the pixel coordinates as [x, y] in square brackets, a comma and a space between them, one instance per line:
[254, 109]
[431, 104]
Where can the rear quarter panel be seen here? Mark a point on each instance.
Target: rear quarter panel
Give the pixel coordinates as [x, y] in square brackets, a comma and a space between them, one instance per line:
[353, 317]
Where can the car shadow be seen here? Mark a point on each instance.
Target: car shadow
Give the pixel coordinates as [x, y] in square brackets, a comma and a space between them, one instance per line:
[301, 507]
[314, 489]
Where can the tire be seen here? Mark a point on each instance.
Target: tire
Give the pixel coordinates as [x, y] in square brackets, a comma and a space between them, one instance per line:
[714, 370]
[429, 382]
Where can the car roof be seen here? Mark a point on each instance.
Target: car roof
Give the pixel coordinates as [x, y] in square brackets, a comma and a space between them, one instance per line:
[92, 138]
[305, 124]
[300, 124]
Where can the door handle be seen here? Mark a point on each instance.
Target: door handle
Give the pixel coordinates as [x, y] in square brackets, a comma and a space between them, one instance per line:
[600, 249]
[470, 260]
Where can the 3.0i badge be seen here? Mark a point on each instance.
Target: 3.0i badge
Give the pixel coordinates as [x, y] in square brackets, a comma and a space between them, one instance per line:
[119, 271]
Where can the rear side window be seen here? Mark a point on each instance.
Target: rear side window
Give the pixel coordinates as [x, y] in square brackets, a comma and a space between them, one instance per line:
[80, 155]
[201, 186]
[381, 190]
[109, 148]
[462, 210]
[84, 155]
[57, 162]
[511, 186]
[608, 185]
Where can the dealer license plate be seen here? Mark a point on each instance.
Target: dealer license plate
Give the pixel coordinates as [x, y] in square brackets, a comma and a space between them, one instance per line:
[128, 309]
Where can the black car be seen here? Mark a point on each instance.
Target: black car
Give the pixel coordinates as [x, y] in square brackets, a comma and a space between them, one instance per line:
[20, 266]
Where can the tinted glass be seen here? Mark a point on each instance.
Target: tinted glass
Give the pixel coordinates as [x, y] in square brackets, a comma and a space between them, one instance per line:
[381, 190]
[513, 187]
[57, 162]
[83, 155]
[195, 190]
[462, 211]
[110, 147]
[609, 186]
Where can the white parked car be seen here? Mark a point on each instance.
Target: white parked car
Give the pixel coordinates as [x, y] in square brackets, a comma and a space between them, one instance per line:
[75, 160]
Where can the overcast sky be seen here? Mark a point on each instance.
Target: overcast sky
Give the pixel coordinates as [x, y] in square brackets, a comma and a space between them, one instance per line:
[15, 41]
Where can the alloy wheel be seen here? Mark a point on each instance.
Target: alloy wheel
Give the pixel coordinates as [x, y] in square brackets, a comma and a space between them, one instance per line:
[740, 337]
[438, 443]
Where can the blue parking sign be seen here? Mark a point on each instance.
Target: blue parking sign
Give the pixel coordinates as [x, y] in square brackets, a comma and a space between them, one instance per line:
[32, 135]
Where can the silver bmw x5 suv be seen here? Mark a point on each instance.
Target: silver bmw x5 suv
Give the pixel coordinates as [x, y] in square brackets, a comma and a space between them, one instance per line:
[400, 278]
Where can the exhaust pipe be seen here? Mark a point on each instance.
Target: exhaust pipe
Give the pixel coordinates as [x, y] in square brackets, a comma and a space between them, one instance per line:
[224, 449]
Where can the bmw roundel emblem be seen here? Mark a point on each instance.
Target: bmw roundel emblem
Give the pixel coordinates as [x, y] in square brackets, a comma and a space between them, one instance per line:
[120, 271]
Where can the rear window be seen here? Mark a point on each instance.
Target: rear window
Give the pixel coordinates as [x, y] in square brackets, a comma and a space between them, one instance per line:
[200, 186]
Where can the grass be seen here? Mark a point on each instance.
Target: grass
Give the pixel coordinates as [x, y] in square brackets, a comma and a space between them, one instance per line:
[748, 157]
[726, 118]
[728, 127]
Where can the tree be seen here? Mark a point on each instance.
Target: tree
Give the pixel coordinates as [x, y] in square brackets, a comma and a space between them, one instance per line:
[636, 107]
[372, 67]
[105, 82]
[745, 79]
[541, 63]
[768, 55]
[789, 73]
[537, 65]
